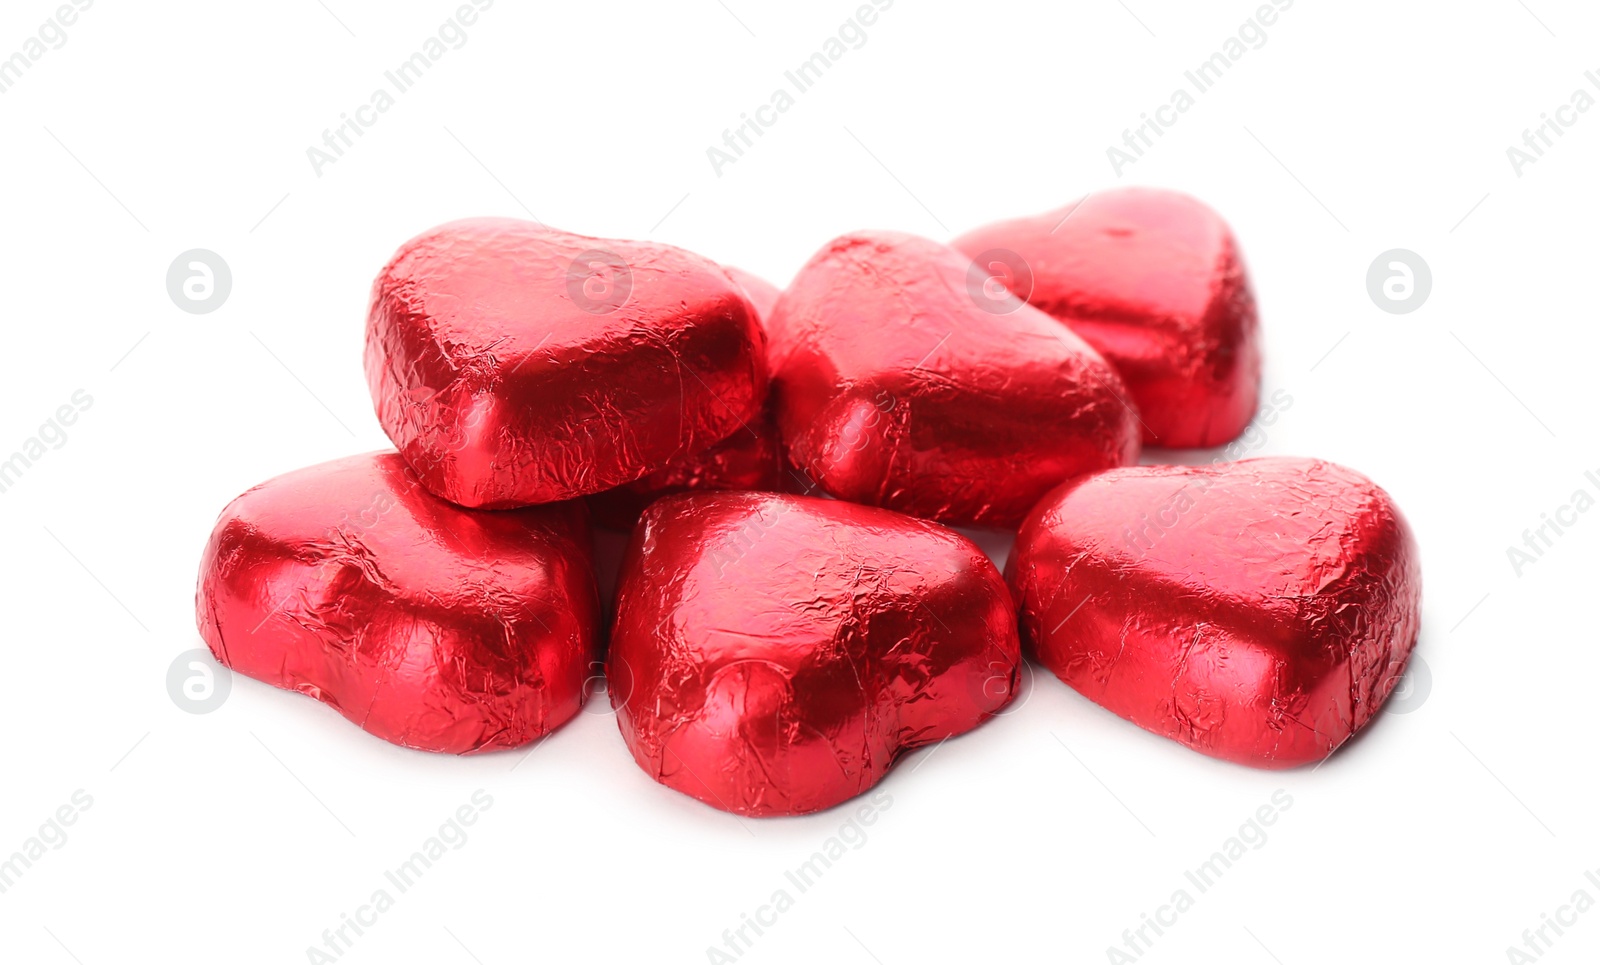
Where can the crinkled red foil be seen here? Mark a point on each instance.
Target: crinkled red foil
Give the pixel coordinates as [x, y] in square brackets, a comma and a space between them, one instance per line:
[1258, 611]
[1154, 281]
[432, 626]
[513, 364]
[747, 459]
[775, 654]
[899, 384]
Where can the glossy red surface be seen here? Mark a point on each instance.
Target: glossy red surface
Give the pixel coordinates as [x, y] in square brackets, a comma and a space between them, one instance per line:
[899, 383]
[429, 625]
[1154, 281]
[775, 654]
[763, 294]
[1258, 611]
[747, 459]
[513, 364]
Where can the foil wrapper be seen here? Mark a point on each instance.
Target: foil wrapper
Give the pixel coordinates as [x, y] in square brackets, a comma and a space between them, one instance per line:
[431, 626]
[1155, 282]
[513, 364]
[763, 294]
[1259, 611]
[776, 654]
[747, 459]
[901, 381]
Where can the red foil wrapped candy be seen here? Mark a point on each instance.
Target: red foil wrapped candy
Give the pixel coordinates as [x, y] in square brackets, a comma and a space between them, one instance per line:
[513, 364]
[748, 459]
[775, 654]
[1258, 611]
[763, 294]
[1154, 281]
[900, 382]
[429, 625]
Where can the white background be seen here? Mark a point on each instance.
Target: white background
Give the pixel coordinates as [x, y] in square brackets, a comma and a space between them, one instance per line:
[240, 835]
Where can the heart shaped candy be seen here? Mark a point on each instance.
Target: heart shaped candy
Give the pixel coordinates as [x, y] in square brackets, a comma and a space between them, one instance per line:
[514, 364]
[898, 384]
[431, 626]
[775, 654]
[1154, 281]
[1258, 611]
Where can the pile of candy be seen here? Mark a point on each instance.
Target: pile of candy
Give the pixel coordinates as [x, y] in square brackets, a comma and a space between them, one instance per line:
[791, 615]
